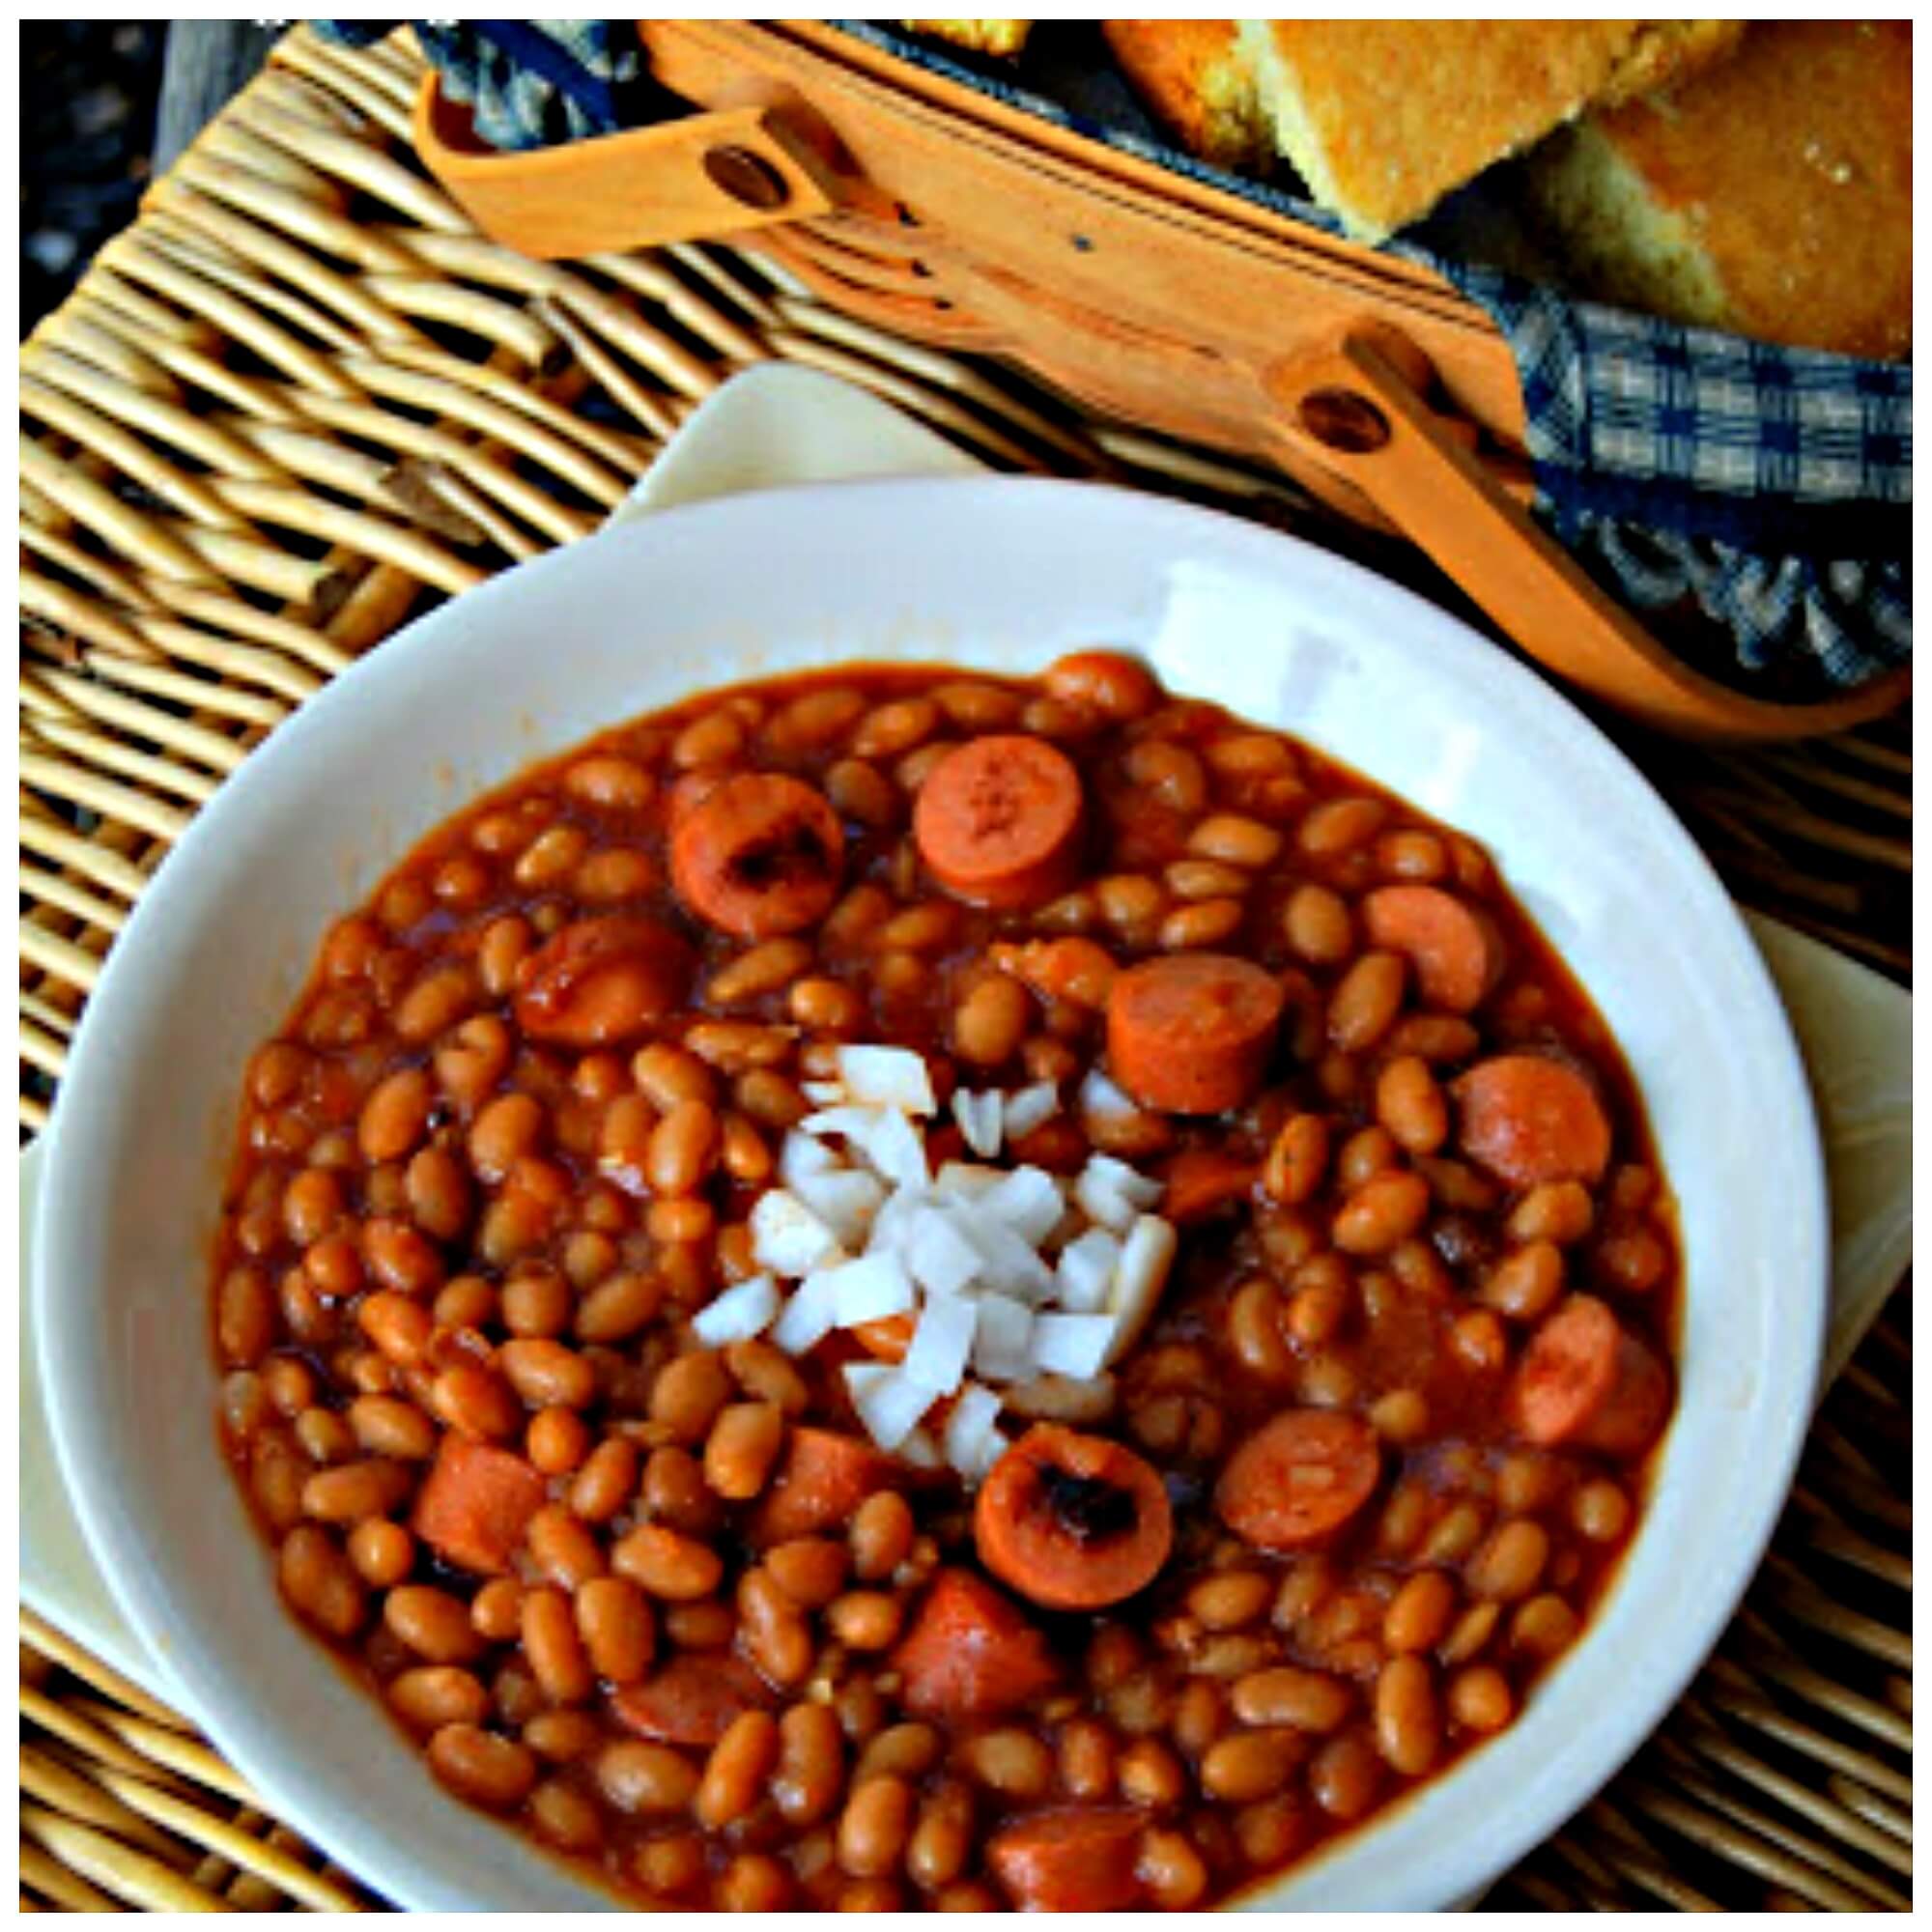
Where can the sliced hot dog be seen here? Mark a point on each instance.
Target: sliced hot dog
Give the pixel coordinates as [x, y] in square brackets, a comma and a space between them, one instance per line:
[1298, 1478]
[1586, 1382]
[824, 1477]
[475, 1504]
[970, 1653]
[1456, 950]
[695, 1699]
[998, 821]
[601, 981]
[1192, 1034]
[1200, 1182]
[1529, 1118]
[1069, 1860]
[757, 854]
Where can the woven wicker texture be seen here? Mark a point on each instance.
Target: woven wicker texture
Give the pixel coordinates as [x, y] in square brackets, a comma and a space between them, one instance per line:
[302, 401]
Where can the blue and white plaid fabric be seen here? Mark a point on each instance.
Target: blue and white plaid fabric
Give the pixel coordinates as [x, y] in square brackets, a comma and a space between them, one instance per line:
[1770, 487]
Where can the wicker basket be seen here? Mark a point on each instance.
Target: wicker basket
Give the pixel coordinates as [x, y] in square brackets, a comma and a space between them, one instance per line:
[301, 400]
[915, 203]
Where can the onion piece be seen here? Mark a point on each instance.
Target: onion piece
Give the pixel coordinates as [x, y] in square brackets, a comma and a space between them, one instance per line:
[921, 1451]
[806, 1317]
[786, 1235]
[1085, 1272]
[802, 1153]
[1101, 1100]
[940, 1258]
[1103, 1203]
[1139, 1189]
[1031, 1107]
[1001, 1338]
[886, 1076]
[965, 1181]
[974, 1443]
[744, 1310]
[1009, 1262]
[1028, 1200]
[1146, 1256]
[897, 1153]
[941, 1343]
[822, 1093]
[1077, 1346]
[871, 1289]
[888, 1404]
[846, 1199]
[980, 1119]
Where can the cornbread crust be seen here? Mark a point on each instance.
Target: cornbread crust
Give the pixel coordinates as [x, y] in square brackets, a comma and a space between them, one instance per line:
[1194, 82]
[1382, 118]
[1772, 197]
[1004, 38]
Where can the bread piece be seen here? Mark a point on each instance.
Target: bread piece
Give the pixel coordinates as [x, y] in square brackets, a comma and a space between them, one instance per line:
[1004, 38]
[1382, 118]
[1772, 197]
[1196, 83]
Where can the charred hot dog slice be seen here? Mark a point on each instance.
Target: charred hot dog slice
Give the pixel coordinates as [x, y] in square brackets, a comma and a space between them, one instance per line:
[694, 1699]
[1073, 1522]
[1586, 1382]
[599, 980]
[1192, 1034]
[1456, 950]
[758, 855]
[970, 1652]
[1069, 1860]
[823, 1479]
[1298, 1478]
[1528, 1119]
[998, 821]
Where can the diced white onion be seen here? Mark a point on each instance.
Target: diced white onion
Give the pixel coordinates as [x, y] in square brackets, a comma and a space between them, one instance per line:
[786, 1235]
[1146, 1256]
[849, 1121]
[1031, 1107]
[822, 1093]
[1085, 1272]
[1101, 1100]
[741, 1312]
[1008, 1262]
[973, 1439]
[869, 1289]
[965, 1181]
[922, 1451]
[981, 1118]
[1103, 1201]
[802, 1154]
[999, 1343]
[886, 1076]
[939, 1257]
[806, 1317]
[1139, 1189]
[888, 1404]
[845, 1199]
[1029, 1201]
[897, 1150]
[1074, 1346]
[941, 1343]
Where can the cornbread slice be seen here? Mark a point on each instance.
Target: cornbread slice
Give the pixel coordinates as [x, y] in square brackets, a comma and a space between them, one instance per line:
[1004, 38]
[1382, 118]
[1194, 80]
[1772, 197]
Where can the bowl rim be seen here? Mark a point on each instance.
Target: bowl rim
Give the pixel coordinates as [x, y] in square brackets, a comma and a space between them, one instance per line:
[1272, 556]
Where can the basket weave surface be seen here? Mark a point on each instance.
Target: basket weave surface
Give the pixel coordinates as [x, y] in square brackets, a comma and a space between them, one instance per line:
[301, 402]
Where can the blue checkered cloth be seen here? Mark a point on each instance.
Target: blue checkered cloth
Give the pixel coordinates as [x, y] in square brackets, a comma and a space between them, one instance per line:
[1769, 488]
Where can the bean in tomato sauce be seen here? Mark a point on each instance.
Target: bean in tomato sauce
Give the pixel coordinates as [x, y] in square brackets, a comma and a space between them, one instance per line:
[1353, 1285]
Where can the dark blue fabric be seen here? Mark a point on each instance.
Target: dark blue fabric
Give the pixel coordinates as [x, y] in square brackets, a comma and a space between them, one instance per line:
[1772, 487]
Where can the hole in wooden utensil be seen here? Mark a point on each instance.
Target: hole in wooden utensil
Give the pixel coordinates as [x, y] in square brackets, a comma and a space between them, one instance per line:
[1343, 420]
[747, 177]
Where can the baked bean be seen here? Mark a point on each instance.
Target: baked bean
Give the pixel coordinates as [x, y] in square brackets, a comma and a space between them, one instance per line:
[547, 1374]
[1600, 1512]
[395, 1114]
[677, 1569]
[825, 1006]
[1632, 1262]
[357, 1490]
[1271, 1832]
[441, 997]
[1317, 925]
[1151, 1775]
[1297, 1160]
[882, 1535]
[907, 1750]
[1303, 1700]
[557, 1655]
[496, 1609]
[742, 1447]
[764, 1371]
[889, 729]
[561, 1548]
[861, 791]
[320, 1582]
[810, 1770]
[1527, 1283]
[1409, 1725]
[475, 1402]
[245, 1317]
[1558, 1211]
[688, 1395]
[1169, 772]
[735, 1772]
[1544, 1626]
[1230, 1600]
[645, 1780]
[1255, 1332]
[1386, 1210]
[1252, 1764]
[669, 1864]
[1206, 879]
[493, 1772]
[312, 1206]
[1401, 1416]
[706, 1625]
[430, 1695]
[432, 1623]
[1235, 840]
[1345, 1775]
[1510, 1564]
[875, 1826]
[618, 1309]
[733, 1045]
[1480, 1700]
[772, 1633]
[1173, 1871]
[753, 1882]
[1012, 1762]
[683, 1148]
[1366, 1000]
[503, 1132]
[991, 1021]
[1085, 1752]
[673, 1489]
[1410, 1105]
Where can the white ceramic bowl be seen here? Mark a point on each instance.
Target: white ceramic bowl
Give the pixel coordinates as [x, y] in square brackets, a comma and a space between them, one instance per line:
[1004, 575]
